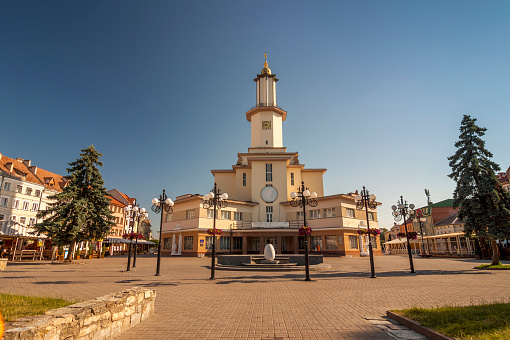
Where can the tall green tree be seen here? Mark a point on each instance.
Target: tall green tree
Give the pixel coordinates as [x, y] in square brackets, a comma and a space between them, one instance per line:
[484, 204]
[81, 211]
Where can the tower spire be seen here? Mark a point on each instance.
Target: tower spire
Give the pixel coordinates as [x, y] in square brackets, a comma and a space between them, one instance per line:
[265, 57]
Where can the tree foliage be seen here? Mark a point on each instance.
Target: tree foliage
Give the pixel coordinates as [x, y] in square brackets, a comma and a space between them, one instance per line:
[81, 211]
[484, 204]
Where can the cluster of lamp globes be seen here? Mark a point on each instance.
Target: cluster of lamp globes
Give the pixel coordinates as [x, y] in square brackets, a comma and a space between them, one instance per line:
[168, 202]
[136, 209]
[402, 206]
[210, 195]
[358, 198]
[306, 193]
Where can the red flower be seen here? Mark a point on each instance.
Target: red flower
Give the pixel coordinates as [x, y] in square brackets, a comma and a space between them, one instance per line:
[213, 232]
[305, 231]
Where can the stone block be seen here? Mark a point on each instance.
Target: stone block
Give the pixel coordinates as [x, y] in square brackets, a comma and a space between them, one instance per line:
[129, 310]
[3, 264]
[116, 328]
[87, 330]
[126, 324]
[131, 300]
[118, 315]
[136, 318]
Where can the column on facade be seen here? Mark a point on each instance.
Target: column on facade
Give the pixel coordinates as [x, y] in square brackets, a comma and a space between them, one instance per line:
[278, 248]
[245, 245]
[459, 245]
[262, 245]
[295, 244]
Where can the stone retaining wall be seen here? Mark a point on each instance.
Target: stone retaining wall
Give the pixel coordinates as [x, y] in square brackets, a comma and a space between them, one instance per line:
[102, 318]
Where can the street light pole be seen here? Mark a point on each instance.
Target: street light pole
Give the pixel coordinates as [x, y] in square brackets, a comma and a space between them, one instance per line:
[158, 205]
[129, 213]
[301, 199]
[404, 211]
[216, 201]
[139, 218]
[364, 200]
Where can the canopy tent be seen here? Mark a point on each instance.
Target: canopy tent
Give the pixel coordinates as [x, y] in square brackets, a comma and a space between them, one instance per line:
[123, 240]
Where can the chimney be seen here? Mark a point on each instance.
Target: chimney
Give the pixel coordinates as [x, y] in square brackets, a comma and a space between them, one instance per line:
[27, 162]
[9, 166]
[0, 155]
[33, 169]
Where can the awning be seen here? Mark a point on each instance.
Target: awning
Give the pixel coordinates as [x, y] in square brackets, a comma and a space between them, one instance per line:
[14, 229]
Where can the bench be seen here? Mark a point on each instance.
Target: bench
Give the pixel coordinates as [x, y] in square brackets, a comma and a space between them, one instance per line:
[26, 254]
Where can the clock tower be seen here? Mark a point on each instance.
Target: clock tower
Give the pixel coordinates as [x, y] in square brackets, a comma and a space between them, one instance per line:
[266, 118]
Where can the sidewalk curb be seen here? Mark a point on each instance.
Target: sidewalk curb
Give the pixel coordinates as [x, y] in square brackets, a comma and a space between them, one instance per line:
[415, 326]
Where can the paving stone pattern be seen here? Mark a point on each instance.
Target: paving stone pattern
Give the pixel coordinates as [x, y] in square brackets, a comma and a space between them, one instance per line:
[340, 303]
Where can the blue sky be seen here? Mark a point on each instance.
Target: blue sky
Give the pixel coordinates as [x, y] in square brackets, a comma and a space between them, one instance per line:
[375, 90]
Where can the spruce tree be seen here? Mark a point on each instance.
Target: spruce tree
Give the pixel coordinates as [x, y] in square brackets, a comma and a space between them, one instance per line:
[484, 204]
[81, 211]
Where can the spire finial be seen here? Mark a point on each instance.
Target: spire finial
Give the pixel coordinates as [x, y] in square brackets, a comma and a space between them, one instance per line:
[265, 57]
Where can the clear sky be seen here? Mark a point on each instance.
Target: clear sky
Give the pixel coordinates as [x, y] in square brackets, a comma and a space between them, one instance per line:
[375, 90]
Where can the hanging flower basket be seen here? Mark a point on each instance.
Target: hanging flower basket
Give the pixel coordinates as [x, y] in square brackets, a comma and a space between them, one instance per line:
[303, 231]
[213, 232]
[373, 232]
[133, 236]
[412, 235]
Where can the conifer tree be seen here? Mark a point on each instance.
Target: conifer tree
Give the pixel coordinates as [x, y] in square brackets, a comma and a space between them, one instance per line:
[484, 204]
[81, 211]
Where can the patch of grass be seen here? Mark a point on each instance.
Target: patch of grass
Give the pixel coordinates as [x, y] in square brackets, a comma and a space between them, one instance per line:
[14, 307]
[487, 322]
[498, 266]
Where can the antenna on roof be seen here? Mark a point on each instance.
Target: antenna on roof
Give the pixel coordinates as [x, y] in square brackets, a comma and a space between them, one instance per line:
[427, 193]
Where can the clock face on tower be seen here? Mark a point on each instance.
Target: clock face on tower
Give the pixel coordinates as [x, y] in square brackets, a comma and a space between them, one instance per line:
[266, 125]
[268, 194]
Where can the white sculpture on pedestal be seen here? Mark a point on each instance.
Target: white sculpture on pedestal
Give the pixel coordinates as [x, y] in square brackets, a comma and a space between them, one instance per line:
[269, 252]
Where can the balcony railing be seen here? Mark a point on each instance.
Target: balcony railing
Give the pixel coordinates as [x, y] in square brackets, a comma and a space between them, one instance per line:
[267, 225]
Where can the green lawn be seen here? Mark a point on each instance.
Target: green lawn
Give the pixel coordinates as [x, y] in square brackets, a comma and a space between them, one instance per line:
[487, 322]
[14, 307]
[498, 266]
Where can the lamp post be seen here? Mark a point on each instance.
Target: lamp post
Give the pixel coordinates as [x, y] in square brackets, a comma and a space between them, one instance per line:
[139, 217]
[130, 212]
[418, 217]
[366, 201]
[158, 204]
[404, 211]
[301, 199]
[216, 201]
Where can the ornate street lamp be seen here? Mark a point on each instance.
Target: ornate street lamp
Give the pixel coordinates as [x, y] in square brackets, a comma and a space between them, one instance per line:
[418, 217]
[131, 213]
[301, 199]
[216, 201]
[364, 200]
[404, 211]
[158, 204]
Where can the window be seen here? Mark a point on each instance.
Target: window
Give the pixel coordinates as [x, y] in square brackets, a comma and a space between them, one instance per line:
[353, 242]
[315, 213]
[301, 242]
[224, 242]
[37, 193]
[13, 218]
[19, 188]
[169, 217]
[316, 243]
[28, 191]
[2, 217]
[26, 205]
[4, 201]
[7, 186]
[373, 239]
[291, 178]
[190, 214]
[332, 242]
[22, 220]
[299, 215]
[238, 216]
[244, 179]
[371, 216]
[225, 215]
[35, 206]
[237, 243]
[269, 172]
[208, 242]
[350, 212]
[329, 212]
[31, 221]
[210, 213]
[269, 214]
[188, 242]
[255, 243]
[167, 242]
[15, 204]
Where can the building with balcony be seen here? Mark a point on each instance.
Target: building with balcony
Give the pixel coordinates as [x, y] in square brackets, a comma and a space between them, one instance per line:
[259, 187]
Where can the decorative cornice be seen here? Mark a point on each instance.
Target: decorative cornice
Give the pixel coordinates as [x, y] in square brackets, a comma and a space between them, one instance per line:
[258, 109]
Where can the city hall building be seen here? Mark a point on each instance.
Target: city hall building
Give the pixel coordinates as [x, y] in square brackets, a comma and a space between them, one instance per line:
[259, 210]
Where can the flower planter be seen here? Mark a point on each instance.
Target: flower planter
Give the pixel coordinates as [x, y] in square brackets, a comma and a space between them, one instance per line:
[60, 257]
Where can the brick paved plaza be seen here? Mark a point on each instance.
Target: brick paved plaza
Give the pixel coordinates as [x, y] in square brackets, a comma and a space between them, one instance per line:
[337, 304]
